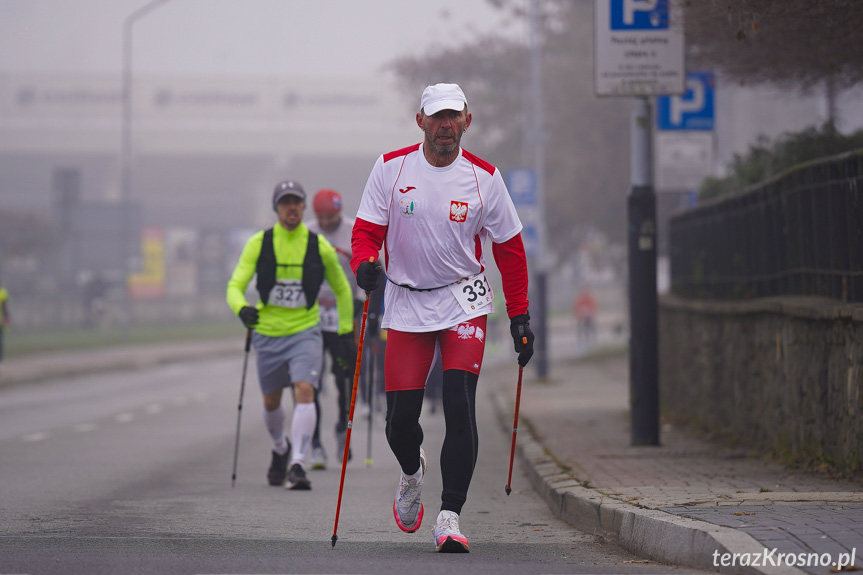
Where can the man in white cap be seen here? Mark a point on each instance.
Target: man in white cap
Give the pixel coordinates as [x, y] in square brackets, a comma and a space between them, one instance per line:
[290, 263]
[432, 205]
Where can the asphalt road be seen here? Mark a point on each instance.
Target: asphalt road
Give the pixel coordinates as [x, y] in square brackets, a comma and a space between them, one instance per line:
[131, 473]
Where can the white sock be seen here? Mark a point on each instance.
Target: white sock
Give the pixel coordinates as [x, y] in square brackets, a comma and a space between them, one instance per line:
[418, 475]
[275, 422]
[302, 429]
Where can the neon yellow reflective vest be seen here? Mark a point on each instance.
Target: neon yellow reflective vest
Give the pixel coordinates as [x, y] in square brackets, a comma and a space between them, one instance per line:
[290, 250]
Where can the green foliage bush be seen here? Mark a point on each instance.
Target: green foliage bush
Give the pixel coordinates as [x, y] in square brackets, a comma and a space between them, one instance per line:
[767, 158]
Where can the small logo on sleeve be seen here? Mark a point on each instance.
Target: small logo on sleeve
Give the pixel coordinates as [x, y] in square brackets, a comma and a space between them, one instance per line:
[457, 211]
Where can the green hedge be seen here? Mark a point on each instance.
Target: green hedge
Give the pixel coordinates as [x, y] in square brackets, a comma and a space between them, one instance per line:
[767, 158]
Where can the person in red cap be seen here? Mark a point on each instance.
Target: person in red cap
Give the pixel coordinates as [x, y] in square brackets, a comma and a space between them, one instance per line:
[432, 206]
[330, 223]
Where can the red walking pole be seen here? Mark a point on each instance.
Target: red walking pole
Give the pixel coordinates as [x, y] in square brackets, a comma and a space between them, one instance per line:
[351, 411]
[514, 429]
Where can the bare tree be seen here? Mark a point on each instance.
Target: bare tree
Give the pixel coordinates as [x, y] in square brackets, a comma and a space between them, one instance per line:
[793, 43]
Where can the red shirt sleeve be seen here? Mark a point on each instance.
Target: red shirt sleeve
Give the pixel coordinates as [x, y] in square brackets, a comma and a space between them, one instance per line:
[512, 263]
[366, 241]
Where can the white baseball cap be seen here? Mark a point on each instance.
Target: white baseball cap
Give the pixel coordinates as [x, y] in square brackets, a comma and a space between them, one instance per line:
[442, 97]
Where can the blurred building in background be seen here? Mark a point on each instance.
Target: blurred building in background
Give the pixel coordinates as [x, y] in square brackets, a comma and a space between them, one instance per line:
[206, 154]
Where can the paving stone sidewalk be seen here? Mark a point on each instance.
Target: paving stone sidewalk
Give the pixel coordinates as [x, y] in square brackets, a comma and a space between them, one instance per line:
[679, 502]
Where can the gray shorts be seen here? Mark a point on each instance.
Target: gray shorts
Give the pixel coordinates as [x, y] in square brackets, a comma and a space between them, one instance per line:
[283, 360]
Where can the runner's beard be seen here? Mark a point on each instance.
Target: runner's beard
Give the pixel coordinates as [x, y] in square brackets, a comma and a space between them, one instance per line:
[445, 150]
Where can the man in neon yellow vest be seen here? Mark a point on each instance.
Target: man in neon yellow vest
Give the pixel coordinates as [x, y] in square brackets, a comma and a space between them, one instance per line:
[290, 264]
[4, 316]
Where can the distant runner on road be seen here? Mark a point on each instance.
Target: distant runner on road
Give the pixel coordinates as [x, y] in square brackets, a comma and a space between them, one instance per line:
[4, 316]
[290, 263]
[336, 228]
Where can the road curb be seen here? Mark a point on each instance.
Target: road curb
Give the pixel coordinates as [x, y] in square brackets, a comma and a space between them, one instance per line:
[648, 533]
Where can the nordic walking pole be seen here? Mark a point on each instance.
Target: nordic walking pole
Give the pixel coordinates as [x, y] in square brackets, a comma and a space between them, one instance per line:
[240, 404]
[514, 427]
[351, 411]
[371, 385]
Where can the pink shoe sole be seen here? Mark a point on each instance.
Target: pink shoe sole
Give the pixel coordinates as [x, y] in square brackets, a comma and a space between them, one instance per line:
[453, 544]
[402, 526]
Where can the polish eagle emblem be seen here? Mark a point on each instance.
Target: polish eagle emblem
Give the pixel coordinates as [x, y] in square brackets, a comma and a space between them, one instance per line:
[457, 211]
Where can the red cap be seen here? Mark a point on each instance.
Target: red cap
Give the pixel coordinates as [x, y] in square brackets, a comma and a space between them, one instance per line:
[327, 202]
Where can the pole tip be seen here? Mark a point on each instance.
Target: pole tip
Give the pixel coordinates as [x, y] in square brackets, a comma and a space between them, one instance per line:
[508, 490]
[368, 462]
[335, 538]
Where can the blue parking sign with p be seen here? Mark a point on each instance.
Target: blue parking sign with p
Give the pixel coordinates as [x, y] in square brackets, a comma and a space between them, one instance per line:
[692, 110]
[639, 14]
[521, 184]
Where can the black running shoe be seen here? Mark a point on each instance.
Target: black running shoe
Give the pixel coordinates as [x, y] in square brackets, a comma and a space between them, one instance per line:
[278, 471]
[297, 479]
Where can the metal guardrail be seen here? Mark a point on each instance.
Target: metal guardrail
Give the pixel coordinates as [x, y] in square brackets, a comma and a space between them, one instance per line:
[800, 233]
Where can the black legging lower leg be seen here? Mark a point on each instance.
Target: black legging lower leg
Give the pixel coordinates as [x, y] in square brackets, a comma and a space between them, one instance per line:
[404, 433]
[459, 451]
[344, 387]
[316, 437]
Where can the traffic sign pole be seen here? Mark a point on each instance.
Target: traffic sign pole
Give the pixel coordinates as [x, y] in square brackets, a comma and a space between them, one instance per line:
[639, 53]
[643, 305]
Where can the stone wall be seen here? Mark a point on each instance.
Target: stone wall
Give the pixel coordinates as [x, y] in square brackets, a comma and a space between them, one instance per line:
[781, 373]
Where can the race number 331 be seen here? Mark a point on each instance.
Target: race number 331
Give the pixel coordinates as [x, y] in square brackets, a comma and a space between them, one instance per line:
[472, 293]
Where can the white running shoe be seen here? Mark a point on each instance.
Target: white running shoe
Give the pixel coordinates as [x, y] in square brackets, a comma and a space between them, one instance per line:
[407, 506]
[447, 537]
[318, 458]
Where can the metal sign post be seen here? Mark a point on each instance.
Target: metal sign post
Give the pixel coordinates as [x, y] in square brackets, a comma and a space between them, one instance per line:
[639, 52]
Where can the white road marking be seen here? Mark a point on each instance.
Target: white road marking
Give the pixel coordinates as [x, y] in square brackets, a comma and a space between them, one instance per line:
[124, 417]
[38, 436]
[154, 408]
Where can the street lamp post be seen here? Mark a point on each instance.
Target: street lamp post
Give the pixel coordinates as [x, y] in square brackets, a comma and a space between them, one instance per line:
[538, 141]
[126, 149]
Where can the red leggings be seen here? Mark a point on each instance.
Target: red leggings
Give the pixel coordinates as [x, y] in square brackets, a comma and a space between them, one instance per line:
[409, 355]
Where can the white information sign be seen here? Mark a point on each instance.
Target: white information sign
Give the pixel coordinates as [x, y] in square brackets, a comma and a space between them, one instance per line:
[683, 160]
[638, 47]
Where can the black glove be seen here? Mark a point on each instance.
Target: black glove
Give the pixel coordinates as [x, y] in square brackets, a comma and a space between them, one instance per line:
[522, 337]
[367, 276]
[249, 316]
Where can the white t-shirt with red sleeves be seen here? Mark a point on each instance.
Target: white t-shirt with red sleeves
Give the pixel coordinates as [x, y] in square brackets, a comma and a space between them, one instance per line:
[438, 220]
[340, 238]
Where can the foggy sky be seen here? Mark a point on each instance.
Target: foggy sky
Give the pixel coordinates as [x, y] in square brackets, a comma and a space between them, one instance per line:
[292, 38]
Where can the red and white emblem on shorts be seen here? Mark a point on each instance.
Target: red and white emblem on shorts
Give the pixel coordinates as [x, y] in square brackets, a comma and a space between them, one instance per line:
[468, 330]
[457, 211]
